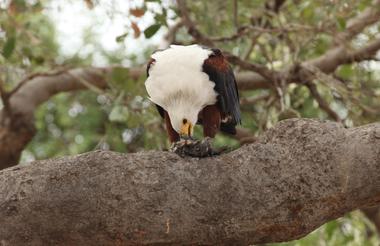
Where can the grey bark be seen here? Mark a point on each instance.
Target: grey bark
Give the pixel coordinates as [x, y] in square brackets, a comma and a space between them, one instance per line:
[297, 176]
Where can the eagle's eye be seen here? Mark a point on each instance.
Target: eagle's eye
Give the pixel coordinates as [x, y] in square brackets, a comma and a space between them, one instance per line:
[184, 121]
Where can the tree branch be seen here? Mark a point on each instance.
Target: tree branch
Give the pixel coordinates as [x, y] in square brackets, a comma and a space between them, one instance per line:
[299, 175]
[4, 96]
[202, 39]
[321, 102]
[357, 24]
[192, 29]
[326, 63]
[17, 128]
[373, 214]
[335, 57]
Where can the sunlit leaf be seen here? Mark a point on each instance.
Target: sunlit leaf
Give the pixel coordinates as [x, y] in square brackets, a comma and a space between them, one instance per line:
[119, 113]
[121, 38]
[120, 75]
[9, 46]
[341, 23]
[150, 31]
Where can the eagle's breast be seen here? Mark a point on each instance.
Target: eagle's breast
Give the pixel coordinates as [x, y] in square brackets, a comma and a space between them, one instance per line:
[176, 77]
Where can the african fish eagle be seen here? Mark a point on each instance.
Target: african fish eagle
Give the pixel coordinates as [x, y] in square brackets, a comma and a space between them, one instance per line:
[193, 85]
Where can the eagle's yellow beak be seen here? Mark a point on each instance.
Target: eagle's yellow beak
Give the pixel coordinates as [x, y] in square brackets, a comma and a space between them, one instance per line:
[186, 129]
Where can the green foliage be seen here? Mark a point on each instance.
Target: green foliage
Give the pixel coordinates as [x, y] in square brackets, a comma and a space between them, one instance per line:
[150, 31]
[352, 230]
[9, 46]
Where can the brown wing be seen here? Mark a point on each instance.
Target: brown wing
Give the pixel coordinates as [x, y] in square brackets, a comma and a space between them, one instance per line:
[220, 72]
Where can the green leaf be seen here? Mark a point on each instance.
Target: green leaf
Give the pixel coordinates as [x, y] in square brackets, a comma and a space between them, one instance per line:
[120, 80]
[307, 14]
[119, 114]
[120, 75]
[121, 38]
[341, 23]
[346, 71]
[9, 46]
[161, 19]
[288, 113]
[150, 31]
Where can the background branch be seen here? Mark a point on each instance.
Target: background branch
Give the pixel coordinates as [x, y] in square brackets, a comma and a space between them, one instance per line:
[357, 24]
[18, 128]
[321, 102]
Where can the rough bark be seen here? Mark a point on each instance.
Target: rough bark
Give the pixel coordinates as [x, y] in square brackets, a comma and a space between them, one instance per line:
[299, 175]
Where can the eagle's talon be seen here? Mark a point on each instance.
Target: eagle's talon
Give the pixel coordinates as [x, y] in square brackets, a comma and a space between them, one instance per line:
[194, 148]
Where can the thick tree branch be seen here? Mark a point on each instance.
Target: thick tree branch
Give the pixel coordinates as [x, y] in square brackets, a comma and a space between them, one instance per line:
[335, 57]
[357, 24]
[40, 88]
[17, 126]
[252, 81]
[299, 175]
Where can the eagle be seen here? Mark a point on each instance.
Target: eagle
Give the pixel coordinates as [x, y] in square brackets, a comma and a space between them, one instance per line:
[193, 85]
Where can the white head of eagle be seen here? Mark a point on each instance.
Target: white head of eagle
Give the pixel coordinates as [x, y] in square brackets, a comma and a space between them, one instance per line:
[190, 85]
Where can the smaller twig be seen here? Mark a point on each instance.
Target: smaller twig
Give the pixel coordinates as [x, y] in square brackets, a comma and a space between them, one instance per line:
[277, 5]
[34, 75]
[192, 29]
[242, 31]
[258, 68]
[4, 97]
[254, 100]
[251, 47]
[236, 21]
[244, 136]
[170, 36]
[321, 102]
[86, 83]
[280, 93]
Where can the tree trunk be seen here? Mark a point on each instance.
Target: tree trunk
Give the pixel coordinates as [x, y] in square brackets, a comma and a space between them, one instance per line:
[297, 176]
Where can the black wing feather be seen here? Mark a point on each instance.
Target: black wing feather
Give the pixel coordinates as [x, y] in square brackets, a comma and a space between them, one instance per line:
[225, 86]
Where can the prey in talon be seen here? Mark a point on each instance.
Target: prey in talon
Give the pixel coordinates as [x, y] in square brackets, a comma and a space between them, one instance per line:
[193, 85]
[192, 147]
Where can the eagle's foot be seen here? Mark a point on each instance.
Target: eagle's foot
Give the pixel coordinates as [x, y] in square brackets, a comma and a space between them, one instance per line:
[194, 148]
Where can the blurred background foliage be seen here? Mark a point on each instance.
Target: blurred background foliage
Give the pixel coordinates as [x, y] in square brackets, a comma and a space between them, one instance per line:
[32, 40]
